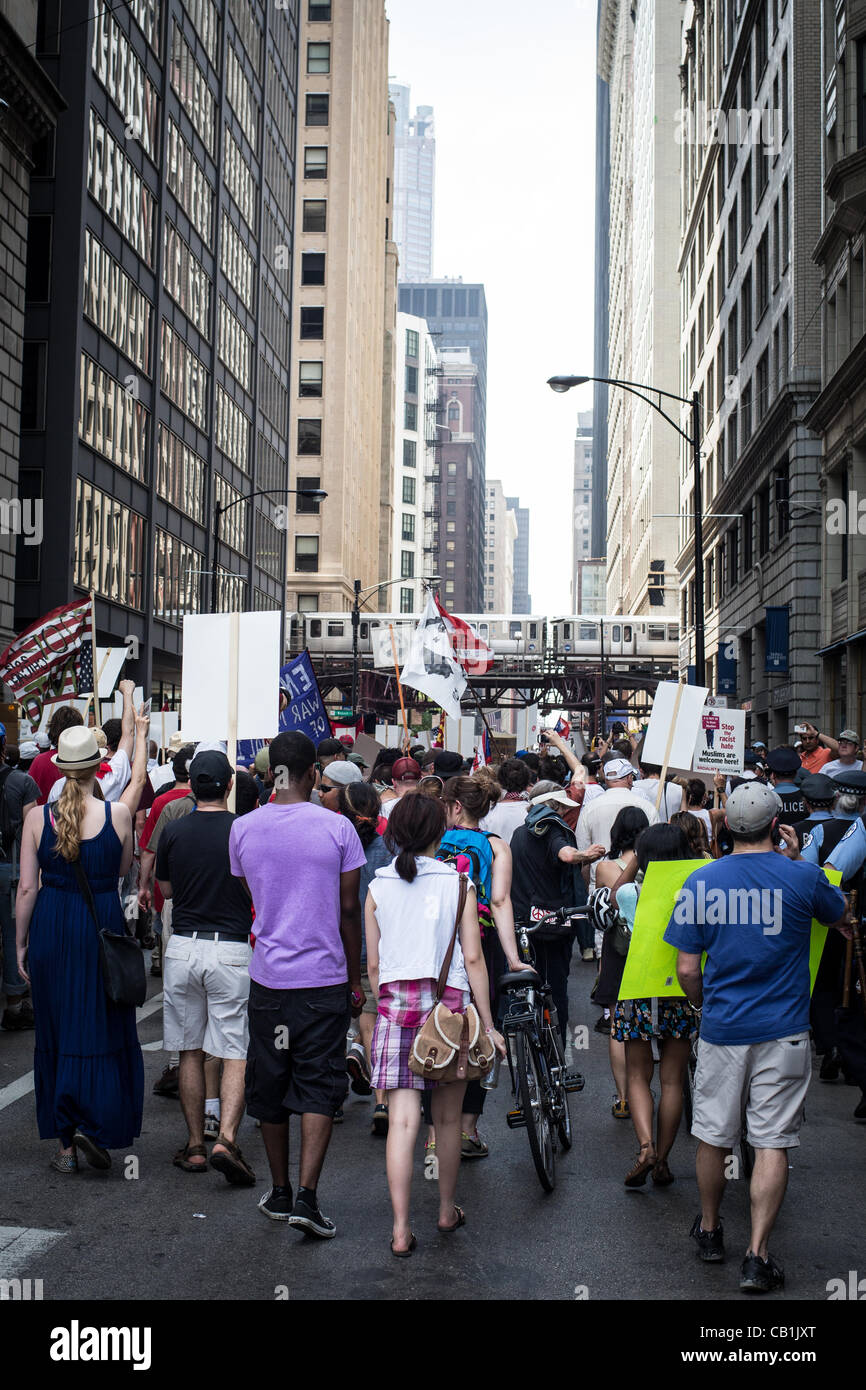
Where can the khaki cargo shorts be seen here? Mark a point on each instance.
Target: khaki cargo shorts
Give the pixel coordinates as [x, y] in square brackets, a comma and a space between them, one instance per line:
[765, 1082]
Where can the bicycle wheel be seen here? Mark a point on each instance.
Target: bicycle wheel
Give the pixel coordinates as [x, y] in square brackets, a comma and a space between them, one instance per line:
[557, 1058]
[531, 1089]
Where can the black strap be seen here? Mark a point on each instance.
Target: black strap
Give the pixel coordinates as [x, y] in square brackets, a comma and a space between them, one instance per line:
[86, 890]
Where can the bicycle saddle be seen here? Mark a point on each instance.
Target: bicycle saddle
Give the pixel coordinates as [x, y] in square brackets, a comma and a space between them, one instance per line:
[519, 977]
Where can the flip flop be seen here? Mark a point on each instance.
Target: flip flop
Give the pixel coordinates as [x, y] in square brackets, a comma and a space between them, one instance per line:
[404, 1254]
[183, 1156]
[232, 1164]
[461, 1221]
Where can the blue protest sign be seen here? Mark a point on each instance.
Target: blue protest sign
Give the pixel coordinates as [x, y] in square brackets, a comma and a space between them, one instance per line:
[305, 711]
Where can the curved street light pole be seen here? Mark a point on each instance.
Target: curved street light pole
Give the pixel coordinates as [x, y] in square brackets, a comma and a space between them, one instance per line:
[219, 511]
[645, 393]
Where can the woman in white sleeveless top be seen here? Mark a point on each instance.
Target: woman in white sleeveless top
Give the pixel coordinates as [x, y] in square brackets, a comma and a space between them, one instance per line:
[410, 913]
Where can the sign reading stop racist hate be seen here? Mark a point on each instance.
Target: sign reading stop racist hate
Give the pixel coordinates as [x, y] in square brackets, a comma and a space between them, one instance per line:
[721, 740]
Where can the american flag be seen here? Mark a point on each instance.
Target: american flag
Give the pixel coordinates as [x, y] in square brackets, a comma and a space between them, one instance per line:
[51, 658]
[563, 728]
[482, 752]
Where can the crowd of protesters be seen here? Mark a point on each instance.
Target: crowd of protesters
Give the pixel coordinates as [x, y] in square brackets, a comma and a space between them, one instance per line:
[299, 936]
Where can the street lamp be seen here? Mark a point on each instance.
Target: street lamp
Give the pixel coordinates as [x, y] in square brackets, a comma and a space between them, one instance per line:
[361, 596]
[314, 493]
[637, 388]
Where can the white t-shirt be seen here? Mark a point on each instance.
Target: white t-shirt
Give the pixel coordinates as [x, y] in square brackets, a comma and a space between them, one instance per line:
[836, 766]
[112, 783]
[596, 820]
[504, 818]
[672, 801]
[416, 921]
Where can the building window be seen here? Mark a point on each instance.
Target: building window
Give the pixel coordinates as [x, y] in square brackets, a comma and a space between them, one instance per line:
[781, 485]
[318, 57]
[239, 180]
[183, 378]
[732, 549]
[747, 538]
[746, 412]
[312, 323]
[785, 116]
[306, 554]
[786, 224]
[308, 603]
[313, 268]
[109, 546]
[315, 161]
[111, 420]
[315, 214]
[317, 108]
[34, 363]
[746, 311]
[409, 491]
[191, 87]
[408, 531]
[762, 383]
[451, 527]
[409, 453]
[746, 201]
[861, 93]
[411, 380]
[452, 470]
[453, 413]
[310, 379]
[180, 475]
[307, 506]
[410, 416]
[762, 275]
[732, 240]
[406, 601]
[411, 342]
[117, 306]
[118, 188]
[319, 11]
[309, 436]
[407, 564]
[763, 502]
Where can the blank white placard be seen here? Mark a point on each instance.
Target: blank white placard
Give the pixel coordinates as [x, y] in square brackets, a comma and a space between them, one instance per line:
[691, 707]
[206, 676]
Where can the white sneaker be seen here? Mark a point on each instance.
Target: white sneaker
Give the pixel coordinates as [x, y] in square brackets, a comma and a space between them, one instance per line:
[587, 953]
[211, 1126]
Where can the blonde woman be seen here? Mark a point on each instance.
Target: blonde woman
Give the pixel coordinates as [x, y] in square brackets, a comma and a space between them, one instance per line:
[88, 1071]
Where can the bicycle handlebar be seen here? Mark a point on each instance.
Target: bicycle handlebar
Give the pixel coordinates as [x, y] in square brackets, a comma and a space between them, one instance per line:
[558, 915]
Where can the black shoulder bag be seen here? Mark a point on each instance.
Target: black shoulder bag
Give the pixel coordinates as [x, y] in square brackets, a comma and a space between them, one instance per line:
[123, 973]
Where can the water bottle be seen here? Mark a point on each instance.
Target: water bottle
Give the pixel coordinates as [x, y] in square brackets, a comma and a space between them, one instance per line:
[490, 1081]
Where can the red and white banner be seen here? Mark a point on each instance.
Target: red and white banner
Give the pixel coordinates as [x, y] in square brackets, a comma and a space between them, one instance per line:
[473, 654]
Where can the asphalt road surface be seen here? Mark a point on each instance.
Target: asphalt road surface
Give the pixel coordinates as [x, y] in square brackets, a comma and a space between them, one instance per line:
[160, 1233]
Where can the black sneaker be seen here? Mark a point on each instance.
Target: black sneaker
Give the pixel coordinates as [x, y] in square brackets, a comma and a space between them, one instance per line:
[761, 1276]
[338, 1116]
[860, 1110]
[831, 1065]
[16, 1018]
[711, 1245]
[601, 1025]
[169, 1083]
[310, 1219]
[278, 1207]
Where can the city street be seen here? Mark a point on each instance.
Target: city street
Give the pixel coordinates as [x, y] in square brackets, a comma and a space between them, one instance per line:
[169, 1235]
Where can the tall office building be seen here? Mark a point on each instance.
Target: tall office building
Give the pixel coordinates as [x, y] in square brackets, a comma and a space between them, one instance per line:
[600, 390]
[456, 316]
[415, 461]
[522, 600]
[158, 310]
[343, 329]
[639, 59]
[583, 494]
[31, 107]
[414, 185]
[751, 346]
[500, 537]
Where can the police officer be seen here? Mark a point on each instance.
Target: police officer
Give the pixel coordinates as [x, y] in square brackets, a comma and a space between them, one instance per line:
[839, 842]
[784, 765]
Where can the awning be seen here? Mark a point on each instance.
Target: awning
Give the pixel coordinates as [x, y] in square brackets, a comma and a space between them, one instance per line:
[843, 642]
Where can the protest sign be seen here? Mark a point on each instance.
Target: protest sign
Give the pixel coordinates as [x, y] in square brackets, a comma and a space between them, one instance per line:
[721, 740]
[674, 723]
[651, 964]
[231, 675]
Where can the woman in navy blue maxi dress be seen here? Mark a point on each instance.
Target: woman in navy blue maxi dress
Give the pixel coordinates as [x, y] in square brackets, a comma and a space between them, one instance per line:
[89, 1075]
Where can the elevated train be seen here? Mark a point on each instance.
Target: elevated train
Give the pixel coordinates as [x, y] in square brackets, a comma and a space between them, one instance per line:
[515, 639]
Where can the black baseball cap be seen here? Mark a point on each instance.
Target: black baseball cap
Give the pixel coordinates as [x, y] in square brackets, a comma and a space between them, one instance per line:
[210, 773]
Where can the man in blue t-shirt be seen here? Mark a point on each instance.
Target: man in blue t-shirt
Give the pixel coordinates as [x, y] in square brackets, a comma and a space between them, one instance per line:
[751, 912]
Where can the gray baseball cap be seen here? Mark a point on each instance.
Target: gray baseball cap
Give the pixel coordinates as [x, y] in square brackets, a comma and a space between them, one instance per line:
[751, 806]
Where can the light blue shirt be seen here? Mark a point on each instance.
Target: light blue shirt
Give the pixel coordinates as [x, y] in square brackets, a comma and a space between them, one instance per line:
[848, 855]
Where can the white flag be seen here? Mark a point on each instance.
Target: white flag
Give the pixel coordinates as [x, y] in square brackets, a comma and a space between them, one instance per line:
[431, 666]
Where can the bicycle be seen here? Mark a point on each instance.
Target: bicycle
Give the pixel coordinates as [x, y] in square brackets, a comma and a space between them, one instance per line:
[536, 1057]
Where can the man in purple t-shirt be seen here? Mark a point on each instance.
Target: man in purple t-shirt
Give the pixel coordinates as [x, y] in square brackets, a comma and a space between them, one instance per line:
[302, 867]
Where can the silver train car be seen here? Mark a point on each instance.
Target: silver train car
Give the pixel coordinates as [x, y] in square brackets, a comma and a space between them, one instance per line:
[510, 636]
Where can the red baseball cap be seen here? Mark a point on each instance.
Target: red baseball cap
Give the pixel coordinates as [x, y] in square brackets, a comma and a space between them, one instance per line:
[406, 770]
[347, 740]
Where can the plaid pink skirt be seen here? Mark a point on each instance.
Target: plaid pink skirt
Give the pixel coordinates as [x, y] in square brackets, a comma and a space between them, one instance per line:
[403, 1006]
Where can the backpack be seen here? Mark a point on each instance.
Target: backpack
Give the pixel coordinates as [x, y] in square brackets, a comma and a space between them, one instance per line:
[8, 827]
[479, 872]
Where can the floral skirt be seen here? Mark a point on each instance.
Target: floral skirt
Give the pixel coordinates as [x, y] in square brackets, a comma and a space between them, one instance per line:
[403, 1006]
[634, 1020]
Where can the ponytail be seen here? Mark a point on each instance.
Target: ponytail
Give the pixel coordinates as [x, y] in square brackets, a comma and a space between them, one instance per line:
[69, 813]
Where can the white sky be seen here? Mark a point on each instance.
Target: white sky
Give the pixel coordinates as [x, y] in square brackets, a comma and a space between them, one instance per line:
[513, 94]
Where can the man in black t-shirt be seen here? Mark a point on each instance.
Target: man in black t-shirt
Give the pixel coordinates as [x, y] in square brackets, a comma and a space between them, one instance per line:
[206, 981]
[542, 853]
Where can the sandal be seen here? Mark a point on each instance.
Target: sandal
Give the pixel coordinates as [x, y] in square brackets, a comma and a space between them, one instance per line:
[232, 1164]
[639, 1172]
[64, 1163]
[189, 1151]
[661, 1174]
[461, 1221]
[96, 1156]
[404, 1254]
[620, 1110]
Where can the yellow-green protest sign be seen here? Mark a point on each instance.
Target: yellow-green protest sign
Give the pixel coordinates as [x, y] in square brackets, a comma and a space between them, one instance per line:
[651, 964]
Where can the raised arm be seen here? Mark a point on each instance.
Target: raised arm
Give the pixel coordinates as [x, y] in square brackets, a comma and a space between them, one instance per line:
[566, 751]
[132, 791]
[127, 719]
